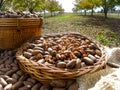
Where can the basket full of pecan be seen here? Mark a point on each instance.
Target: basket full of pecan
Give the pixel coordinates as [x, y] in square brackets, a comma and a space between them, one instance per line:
[60, 56]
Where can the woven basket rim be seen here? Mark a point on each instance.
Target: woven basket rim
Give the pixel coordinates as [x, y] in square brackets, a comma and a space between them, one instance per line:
[43, 72]
[20, 22]
[21, 18]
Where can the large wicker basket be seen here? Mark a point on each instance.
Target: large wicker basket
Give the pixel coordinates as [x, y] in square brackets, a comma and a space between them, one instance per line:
[45, 73]
[15, 31]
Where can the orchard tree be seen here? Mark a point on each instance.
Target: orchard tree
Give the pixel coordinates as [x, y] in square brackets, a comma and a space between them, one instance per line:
[52, 6]
[90, 4]
[59, 8]
[108, 4]
[43, 7]
[87, 4]
[76, 6]
[79, 5]
[2, 2]
[119, 7]
[27, 5]
[4, 5]
[94, 4]
[82, 4]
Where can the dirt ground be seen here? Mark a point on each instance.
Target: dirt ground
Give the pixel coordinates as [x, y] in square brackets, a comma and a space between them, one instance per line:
[106, 32]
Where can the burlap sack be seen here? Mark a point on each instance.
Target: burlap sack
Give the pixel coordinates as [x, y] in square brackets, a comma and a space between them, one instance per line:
[101, 80]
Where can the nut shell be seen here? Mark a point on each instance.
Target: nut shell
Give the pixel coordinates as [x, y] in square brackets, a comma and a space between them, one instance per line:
[88, 61]
[61, 64]
[71, 64]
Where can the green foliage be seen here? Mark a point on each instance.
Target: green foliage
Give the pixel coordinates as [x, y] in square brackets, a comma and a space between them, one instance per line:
[108, 38]
[63, 17]
[103, 40]
[53, 6]
[23, 5]
[87, 4]
[31, 5]
[90, 4]
[109, 3]
[27, 5]
[105, 31]
[2, 4]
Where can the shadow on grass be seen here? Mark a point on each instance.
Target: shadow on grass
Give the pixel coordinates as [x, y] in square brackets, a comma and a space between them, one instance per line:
[111, 23]
[106, 31]
[109, 28]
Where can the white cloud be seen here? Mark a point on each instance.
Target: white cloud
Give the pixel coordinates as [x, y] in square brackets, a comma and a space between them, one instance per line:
[67, 5]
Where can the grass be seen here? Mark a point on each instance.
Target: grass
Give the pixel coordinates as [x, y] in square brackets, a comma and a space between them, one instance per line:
[104, 31]
[62, 17]
[114, 15]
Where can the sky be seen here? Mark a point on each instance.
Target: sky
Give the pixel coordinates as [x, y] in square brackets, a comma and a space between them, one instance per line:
[67, 5]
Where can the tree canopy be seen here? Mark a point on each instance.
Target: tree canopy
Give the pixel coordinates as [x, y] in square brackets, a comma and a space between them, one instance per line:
[53, 6]
[87, 4]
[90, 4]
[27, 5]
[2, 3]
[31, 5]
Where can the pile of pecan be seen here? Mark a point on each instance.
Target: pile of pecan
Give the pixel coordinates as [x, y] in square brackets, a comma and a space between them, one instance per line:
[63, 51]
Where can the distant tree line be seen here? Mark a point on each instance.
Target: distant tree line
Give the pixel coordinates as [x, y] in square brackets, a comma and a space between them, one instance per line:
[51, 6]
[92, 4]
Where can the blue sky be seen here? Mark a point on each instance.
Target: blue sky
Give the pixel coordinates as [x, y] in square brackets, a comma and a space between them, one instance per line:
[67, 5]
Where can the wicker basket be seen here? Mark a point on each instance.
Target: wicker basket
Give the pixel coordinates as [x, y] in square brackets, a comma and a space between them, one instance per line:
[15, 31]
[45, 73]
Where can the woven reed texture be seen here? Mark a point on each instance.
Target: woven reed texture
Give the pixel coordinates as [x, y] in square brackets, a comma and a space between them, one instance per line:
[15, 31]
[45, 73]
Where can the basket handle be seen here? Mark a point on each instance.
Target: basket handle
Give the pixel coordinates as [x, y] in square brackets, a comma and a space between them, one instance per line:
[18, 25]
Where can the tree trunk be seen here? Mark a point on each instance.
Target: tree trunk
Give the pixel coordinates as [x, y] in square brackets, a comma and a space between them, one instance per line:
[105, 13]
[44, 12]
[118, 13]
[81, 12]
[92, 12]
[1, 5]
[85, 12]
[105, 9]
[51, 13]
[54, 13]
[30, 10]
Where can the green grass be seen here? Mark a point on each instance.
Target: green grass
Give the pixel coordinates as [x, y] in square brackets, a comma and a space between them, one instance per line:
[113, 15]
[62, 17]
[104, 31]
